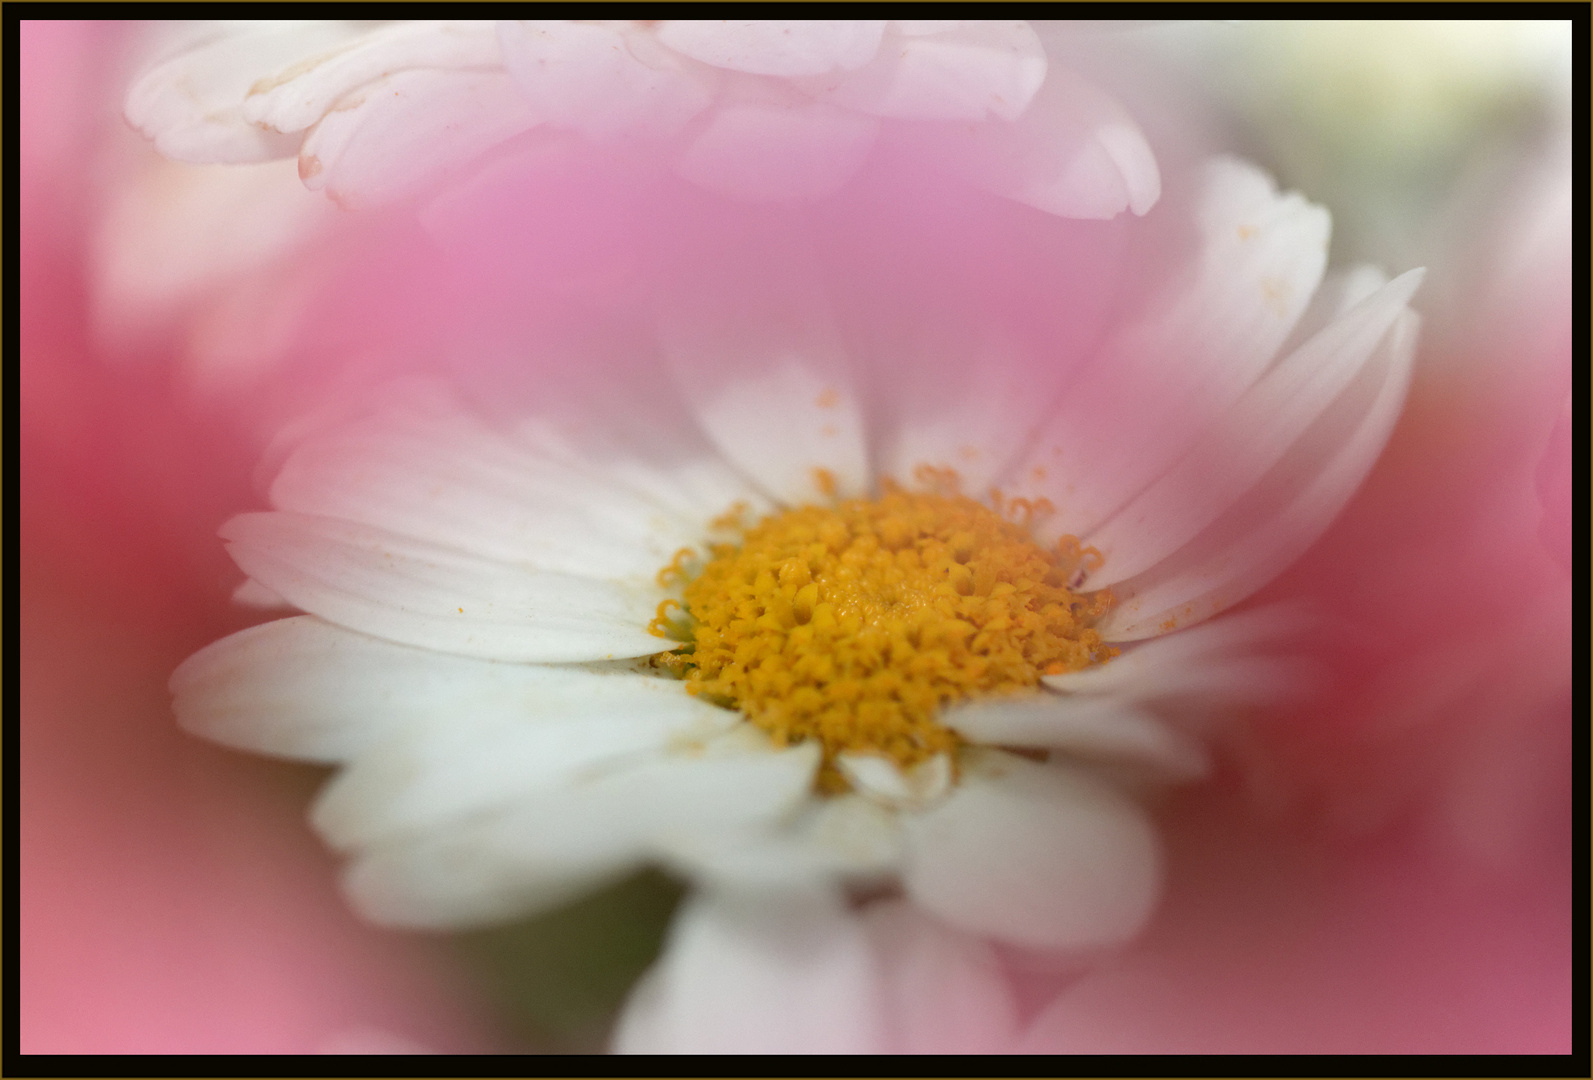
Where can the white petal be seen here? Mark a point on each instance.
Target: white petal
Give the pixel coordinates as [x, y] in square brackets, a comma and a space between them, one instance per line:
[1340, 291]
[1249, 439]
[1037, 855]
[1075, 152]
[1162, 381]
[192, 106]
[1159, 667]
[301, 95]
[552, 845]
[795, 977]
[967, 71]
[1273, 526]
[602, 80]
[945, 991]
[842, 837]
[255, 595]
[881, 780]
[445, 477]
[774, 46]
[774, 152]
[414, 593]
[303, 688]
[1088, 727]
[758, 359]
[504, 740]
[1258, 680]
[960, 398]
[406, 132]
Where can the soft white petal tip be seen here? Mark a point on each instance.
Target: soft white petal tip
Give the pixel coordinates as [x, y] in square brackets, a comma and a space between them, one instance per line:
[883, 781]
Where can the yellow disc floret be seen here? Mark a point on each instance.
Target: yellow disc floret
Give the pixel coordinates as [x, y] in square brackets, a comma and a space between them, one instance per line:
[854, 624]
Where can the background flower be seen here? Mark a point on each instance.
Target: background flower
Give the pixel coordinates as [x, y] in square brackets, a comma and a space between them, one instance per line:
[77, 453]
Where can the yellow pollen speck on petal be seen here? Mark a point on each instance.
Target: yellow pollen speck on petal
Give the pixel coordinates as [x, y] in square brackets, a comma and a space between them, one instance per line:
[828, 398]
[824, 481]
[854, 624]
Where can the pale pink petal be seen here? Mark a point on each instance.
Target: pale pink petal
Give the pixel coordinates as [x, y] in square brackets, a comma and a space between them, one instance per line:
[1273, 525]
[760, 362]
[293, 99]
[405, 590]
[1232, 680]
[776, 47]
[1044, 856]
[1247, 440]
[407, 132]
[960, 398]
[967, 71]
[777, 152]
[945, 991]
[603, 80]
[1168, 376]
[793, 975]
[1166, 666]
[192, 106]
[1074, 152]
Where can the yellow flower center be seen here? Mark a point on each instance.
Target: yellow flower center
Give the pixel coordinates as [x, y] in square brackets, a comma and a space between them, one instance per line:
[854, 624]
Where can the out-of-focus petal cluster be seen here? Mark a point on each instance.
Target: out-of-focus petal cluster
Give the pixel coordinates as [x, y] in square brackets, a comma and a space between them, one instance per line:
[756, 109]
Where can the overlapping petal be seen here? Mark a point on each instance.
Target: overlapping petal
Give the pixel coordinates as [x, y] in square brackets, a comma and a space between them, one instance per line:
[1168, 377]
[395, 587]
[1045, 856]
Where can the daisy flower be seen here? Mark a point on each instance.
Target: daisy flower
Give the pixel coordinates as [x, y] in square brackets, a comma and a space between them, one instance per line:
[845, 618]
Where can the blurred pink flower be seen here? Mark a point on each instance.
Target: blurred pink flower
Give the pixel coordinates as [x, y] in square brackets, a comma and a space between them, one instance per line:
[535, 279]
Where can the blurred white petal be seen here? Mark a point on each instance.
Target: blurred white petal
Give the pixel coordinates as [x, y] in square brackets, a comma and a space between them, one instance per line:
[761, 365]
[1247, 440]
[1255, 540]
[967, 71]
[192, 106]
[407, 132]
[776, 47]
[1074, 152]
[602, 80]
[1089, 728]
[1038, 855]
[512, 738]
[293, 99]
[944, 991]
[552, 846]
[881, 780]
[1169, 376]
[794, 976]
